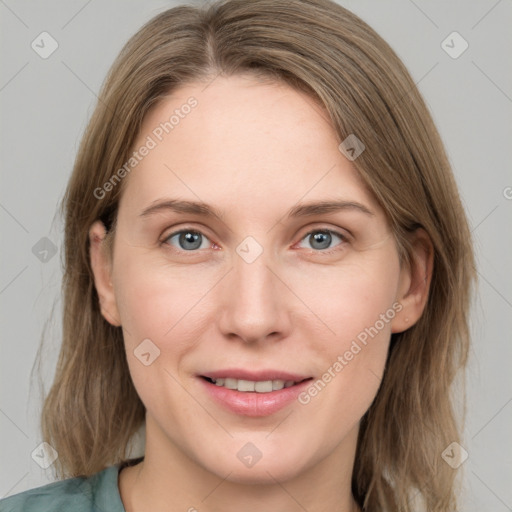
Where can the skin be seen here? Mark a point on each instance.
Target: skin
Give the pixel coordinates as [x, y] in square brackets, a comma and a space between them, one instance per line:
[253, 150]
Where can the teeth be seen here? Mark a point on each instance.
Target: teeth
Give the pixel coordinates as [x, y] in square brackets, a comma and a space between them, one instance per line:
[277, 384]
[264, 386]
[231, 383]
[246, 385]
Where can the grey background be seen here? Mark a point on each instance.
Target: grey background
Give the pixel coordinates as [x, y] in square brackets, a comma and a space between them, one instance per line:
[45, 104]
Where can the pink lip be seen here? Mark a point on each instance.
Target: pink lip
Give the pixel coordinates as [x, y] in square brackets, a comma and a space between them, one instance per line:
[254, 404]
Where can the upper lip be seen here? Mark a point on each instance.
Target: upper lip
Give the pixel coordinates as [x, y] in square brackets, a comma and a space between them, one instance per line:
[261, 375]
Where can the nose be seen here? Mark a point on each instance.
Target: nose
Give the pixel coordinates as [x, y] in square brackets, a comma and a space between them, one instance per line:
[254, 303]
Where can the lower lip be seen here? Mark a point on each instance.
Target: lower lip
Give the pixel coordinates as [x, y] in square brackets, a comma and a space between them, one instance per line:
[252, 403]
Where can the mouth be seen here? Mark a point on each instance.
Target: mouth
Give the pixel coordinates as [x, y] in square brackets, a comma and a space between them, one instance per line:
[253, 394]
[253, 386]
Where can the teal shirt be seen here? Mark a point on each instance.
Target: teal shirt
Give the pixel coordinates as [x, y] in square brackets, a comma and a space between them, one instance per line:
[97, 493]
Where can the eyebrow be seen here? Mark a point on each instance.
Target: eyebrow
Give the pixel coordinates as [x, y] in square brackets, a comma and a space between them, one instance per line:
[300, 210]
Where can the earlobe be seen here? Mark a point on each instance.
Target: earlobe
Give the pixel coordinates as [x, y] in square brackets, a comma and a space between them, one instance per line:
[102, 274]
[415, 279]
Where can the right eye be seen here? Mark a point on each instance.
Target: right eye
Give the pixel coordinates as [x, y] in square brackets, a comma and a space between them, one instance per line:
[187, 240]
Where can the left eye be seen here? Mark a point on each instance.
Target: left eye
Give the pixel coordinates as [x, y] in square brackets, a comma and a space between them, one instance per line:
[189, 240]
[322, 238]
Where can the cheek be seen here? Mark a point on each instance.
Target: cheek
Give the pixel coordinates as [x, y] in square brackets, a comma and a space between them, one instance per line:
[352, 298]
[163, 310]
[155, 307]
[358, 305]
[154, 300]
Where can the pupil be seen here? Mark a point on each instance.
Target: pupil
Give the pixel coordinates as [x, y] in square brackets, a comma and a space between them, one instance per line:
[190, 238]
[323, 238]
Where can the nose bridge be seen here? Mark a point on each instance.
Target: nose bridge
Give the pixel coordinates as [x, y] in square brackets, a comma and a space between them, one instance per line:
[254, 305]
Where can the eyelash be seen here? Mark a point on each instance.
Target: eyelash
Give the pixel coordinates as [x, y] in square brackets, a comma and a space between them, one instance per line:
[344, 239]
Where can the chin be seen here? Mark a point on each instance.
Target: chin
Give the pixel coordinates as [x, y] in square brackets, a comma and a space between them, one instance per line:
[267, 466]
[264, 474]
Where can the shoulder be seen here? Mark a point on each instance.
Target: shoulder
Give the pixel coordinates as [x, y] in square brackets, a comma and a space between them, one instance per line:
[96, 493]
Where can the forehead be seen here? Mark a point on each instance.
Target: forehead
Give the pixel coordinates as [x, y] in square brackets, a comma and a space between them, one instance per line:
[240, 141]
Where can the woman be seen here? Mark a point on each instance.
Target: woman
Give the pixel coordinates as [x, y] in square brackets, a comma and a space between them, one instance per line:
[268, 267]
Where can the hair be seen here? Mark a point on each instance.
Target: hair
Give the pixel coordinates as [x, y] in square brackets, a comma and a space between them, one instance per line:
[92, 410]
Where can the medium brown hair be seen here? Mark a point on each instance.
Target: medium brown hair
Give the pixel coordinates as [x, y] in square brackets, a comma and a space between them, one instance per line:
[92, 410]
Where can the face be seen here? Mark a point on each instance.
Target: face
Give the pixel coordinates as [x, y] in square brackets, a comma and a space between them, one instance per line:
[220, 311]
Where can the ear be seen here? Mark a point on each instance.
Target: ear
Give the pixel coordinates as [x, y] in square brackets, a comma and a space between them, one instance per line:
[101, 268]
[414, 283]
